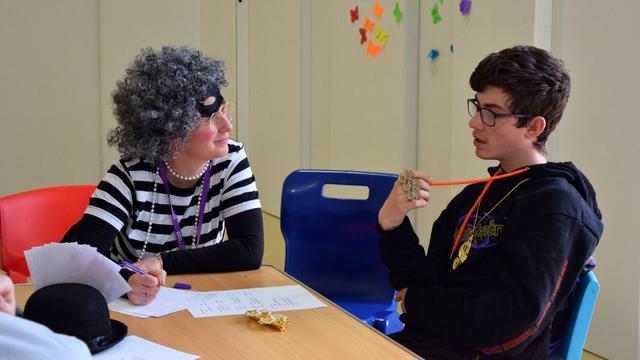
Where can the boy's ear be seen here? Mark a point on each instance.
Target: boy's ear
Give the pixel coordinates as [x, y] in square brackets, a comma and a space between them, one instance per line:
[535, 127]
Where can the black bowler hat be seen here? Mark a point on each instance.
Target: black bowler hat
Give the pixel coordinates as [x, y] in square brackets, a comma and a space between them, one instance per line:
[78, 310]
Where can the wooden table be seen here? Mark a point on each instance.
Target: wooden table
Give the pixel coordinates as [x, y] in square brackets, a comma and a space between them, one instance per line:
[324, 333]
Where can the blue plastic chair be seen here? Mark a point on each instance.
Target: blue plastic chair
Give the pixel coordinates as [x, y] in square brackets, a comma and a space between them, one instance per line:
[575, 334]
[332, 243]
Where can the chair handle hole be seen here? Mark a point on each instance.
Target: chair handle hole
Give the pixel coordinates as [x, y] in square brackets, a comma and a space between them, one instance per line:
[345, 192]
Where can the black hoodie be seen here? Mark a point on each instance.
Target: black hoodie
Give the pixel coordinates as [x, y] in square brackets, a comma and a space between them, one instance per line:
[527, 254]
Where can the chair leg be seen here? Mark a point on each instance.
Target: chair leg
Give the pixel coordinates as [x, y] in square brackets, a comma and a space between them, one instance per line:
[381, 325]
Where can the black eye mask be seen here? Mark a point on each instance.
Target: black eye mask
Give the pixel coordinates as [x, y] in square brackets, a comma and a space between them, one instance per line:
[208, 110]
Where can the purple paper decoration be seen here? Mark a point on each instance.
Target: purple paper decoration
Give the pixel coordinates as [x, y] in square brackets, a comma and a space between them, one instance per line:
[465, 7]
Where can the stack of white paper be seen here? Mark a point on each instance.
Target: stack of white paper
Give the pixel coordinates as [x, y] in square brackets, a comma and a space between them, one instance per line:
[58, 263]
[274, 298]
[220, 303]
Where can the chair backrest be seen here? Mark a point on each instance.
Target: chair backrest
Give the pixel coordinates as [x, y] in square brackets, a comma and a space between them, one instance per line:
[37, 217]
[332, 243]
[575, 333]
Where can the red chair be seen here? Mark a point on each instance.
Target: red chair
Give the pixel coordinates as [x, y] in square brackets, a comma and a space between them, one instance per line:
[34, 218]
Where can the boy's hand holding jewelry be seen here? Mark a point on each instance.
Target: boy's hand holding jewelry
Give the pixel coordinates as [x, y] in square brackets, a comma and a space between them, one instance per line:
[399, 202]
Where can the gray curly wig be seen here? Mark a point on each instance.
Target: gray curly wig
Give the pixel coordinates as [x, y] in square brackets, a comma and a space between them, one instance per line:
[155, 103]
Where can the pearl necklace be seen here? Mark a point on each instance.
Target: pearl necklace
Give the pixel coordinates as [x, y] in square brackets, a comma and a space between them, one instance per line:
[153, 207]
[188, 178]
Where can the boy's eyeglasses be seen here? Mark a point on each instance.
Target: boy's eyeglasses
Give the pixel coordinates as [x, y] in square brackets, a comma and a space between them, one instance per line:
[487, 116]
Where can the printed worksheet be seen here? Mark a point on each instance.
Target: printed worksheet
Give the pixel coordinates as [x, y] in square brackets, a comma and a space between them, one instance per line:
[275, 298]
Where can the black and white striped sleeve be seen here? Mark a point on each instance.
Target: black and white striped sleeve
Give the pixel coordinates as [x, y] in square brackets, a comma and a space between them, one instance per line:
[239, 192]
[107, 212]
[113, 199]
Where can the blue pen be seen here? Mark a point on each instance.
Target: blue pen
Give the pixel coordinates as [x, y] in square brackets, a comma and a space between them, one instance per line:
[132, 267]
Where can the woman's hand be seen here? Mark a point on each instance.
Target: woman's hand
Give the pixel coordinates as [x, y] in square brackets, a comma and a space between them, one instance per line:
[7, 296]
[144, 288]
[397, 205]
[153, 266]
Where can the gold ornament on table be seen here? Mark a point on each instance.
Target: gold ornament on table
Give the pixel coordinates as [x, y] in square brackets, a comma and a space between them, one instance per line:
[409, 186]
[265, 317]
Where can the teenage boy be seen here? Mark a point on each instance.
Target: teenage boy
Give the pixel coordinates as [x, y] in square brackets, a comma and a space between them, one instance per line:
[505, 254]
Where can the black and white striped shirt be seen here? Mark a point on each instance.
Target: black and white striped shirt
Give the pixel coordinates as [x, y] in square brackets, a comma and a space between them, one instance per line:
[121, 209]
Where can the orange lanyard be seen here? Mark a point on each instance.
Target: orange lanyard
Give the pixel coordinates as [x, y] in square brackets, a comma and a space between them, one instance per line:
[475, 181]
[488, 181]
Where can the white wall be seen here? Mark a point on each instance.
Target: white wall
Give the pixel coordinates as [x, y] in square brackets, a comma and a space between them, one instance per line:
[49, 91]
[599, 133]
[364, 109]
[274, 90]
[218, 37]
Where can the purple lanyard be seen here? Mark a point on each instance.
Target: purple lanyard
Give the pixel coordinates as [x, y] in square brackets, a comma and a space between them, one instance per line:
[176, 225]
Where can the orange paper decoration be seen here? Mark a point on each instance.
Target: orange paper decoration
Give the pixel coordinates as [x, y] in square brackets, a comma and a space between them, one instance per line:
[368, 24]
[377, 10]
[372, 49]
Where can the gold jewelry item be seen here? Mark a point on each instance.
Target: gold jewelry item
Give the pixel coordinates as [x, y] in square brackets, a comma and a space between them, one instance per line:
[265, 317]
[409, 186]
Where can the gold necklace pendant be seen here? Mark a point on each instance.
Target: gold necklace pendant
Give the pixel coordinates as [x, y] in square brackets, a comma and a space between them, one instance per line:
[464, 250]
[456, 263]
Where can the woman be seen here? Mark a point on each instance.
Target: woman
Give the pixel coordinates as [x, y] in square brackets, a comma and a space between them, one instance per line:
[180, 183]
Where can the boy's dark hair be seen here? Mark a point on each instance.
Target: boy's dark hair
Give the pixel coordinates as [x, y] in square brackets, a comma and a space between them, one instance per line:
[537, 83]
